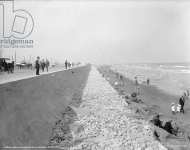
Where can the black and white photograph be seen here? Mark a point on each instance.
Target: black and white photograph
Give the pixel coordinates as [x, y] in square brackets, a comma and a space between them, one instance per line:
[95, 74]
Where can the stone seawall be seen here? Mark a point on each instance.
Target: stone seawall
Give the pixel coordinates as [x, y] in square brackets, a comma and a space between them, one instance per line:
[106, 122]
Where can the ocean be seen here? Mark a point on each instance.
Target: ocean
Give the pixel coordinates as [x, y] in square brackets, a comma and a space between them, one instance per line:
[173, 78]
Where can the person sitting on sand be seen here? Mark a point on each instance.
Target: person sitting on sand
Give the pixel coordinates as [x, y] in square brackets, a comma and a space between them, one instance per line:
[156, 121]
[173, 108]
[168, 127]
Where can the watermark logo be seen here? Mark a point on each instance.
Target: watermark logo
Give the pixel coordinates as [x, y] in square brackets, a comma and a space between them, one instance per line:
[15, 25]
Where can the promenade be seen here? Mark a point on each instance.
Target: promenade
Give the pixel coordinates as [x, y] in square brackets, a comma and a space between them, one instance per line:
[31, 105]
[20, 74]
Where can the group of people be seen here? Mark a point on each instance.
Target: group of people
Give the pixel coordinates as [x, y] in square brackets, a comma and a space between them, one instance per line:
[179, 108]
[41, 64]
[68, 64]
[7, 66]
[167, 126]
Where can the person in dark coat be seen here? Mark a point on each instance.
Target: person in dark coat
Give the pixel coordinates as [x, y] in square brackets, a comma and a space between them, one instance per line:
[37, 65]
[66, 64]
[156, 121]
[168, 127]
[43, 65]
[182, 102]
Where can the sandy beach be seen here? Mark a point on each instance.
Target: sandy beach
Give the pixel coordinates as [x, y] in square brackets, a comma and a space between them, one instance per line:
[30, 107]
[153, 101]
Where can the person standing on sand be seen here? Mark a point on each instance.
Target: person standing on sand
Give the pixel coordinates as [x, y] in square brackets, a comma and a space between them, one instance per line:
[66, 64]
[148, 81]
[137, 86]
[37, 65]
[182, 102]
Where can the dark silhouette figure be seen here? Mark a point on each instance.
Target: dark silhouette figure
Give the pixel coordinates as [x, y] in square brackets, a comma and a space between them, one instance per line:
[66, 64]
[47, 64]
[156, 121]
[148, 81]
[10, 67]
[182, 102]
[43, 65]
[37, 65]
[168, 127]
[5, 65]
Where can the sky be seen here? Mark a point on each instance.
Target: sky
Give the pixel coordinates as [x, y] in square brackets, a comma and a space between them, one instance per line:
[108, 32]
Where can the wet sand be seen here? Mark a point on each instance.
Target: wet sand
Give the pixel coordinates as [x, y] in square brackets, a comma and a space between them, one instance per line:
[30, 108]
[154, 101]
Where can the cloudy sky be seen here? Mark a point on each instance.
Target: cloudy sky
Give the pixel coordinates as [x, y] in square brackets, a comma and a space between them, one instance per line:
[109, 31]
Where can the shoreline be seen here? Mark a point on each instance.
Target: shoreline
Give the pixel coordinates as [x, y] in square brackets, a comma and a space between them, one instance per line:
[153, 100]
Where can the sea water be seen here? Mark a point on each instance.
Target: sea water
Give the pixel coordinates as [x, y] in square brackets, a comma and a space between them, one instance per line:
[170, 77]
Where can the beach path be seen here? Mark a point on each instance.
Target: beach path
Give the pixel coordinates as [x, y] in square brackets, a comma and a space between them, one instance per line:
[105, 121]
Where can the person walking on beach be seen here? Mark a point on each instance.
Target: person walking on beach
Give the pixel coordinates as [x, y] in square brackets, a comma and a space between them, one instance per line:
[37, 65]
